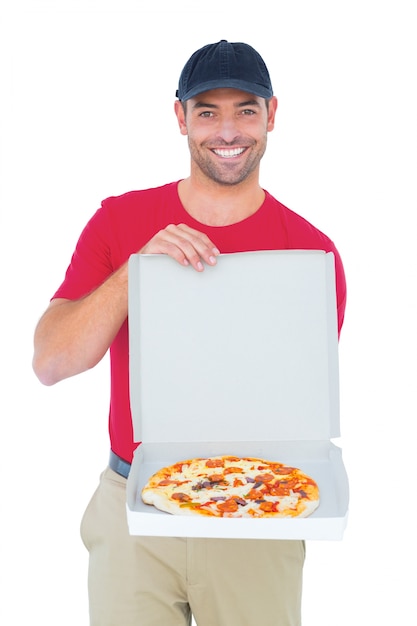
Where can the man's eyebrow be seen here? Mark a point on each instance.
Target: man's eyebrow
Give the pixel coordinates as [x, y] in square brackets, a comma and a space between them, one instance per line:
[204, 105]
[207, 105]
[249, 103]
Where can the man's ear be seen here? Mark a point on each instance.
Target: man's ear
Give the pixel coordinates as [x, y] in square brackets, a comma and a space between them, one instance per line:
[272, 109]
[180, 113]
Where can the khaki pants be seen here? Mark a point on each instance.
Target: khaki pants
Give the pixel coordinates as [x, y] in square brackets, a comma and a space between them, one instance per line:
[153, 581]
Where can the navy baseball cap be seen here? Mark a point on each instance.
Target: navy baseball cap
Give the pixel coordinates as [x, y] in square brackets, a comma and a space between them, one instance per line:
[225, 64]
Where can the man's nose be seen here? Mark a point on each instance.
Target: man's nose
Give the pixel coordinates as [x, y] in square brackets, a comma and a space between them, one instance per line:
[228, 129]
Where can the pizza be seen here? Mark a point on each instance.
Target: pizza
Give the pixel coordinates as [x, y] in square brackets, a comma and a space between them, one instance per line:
[231, 486]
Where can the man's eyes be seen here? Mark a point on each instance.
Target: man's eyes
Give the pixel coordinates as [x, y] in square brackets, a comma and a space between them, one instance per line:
[245, 112]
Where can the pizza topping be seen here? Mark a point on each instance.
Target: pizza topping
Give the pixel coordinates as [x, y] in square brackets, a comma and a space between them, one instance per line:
[229, 506]
[264, 478]
[182, 497]
[253, 494]
[283, 469]
[202, 484]
[268, 506]
[215, 478]
[215, 463]
[233, 470]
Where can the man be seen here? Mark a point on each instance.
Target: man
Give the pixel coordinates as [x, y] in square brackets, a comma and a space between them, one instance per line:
[226, 108]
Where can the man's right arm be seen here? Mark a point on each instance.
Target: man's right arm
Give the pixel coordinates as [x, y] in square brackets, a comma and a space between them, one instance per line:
[72, 336]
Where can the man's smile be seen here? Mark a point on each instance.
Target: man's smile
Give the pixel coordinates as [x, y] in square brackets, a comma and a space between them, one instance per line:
[228, 153]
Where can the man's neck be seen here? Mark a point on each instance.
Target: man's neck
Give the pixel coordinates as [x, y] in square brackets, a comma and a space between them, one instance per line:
[220, 205]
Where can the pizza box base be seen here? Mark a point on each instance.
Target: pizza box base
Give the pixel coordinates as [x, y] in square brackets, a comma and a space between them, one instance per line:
[322, 460]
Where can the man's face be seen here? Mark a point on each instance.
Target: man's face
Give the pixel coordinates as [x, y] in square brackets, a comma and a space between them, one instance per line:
[227, 133]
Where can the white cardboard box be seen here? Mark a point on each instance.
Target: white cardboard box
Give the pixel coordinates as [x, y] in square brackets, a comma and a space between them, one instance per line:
[240, 359]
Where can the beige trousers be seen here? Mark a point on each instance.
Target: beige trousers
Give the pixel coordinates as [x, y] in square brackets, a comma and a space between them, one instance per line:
[153, 581]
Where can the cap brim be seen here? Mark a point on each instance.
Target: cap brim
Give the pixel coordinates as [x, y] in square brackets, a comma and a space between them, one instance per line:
[242, 85]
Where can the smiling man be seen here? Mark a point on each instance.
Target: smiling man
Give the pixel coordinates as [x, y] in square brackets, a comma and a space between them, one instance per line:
[226, 108]
[227, 134]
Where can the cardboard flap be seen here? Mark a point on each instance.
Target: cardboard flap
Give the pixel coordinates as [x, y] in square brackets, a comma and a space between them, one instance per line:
[245, 350]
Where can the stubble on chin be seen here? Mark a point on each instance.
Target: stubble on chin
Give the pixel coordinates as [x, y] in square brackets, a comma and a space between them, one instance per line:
[225, 172]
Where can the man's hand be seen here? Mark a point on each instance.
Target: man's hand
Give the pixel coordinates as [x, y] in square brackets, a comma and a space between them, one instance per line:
[185, 245]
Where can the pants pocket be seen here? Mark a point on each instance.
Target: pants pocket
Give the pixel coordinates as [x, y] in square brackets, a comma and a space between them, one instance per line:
[87, 525]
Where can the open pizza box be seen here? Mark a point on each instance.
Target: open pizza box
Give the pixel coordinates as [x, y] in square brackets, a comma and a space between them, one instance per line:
[240, 359]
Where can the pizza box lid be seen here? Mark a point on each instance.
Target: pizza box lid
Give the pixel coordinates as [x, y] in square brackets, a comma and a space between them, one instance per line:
[239, 359]
[244, 350]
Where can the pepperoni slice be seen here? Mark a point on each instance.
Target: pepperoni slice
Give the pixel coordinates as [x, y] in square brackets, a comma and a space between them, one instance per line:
[182, 497]
[229, 506]
[215, 478]
[264, 478]
[215, 463]
[279, 490]
[254, 494]
[268, 507]
[233, 470]
[283, 469]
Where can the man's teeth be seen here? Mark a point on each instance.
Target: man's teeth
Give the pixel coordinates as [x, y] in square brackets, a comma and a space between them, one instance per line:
[227, 154]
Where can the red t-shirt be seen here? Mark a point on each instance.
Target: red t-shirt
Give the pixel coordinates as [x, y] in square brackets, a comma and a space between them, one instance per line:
[124, 224]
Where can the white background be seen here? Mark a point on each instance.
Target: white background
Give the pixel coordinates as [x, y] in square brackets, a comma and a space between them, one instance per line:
[87, 112]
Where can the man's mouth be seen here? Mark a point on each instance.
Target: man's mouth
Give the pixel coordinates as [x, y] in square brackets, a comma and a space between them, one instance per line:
[228, 153]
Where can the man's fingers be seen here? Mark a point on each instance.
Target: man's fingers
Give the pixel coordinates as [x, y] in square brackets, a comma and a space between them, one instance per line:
[197, 247]
[184, 244]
